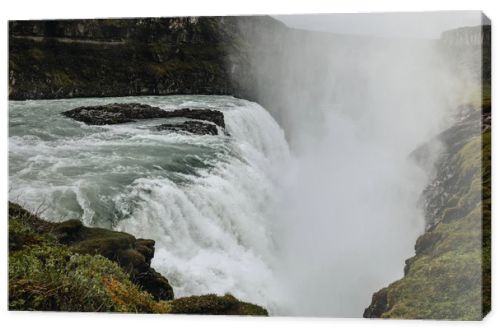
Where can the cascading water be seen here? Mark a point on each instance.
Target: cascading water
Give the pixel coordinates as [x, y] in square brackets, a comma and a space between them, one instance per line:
[206, 200]
[312, 232]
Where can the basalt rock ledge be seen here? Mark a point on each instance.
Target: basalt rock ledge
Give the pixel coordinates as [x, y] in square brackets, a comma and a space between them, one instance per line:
[204, 121]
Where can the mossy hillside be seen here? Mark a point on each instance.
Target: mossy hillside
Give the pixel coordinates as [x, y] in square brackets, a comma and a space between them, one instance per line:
[59, 267]
[131, 254]
[48, 276]
[448, 278]
[445, 281]
[52, 278]
[150, 56]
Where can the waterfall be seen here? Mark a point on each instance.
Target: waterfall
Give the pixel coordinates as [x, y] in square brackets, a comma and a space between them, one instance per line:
[207, 201]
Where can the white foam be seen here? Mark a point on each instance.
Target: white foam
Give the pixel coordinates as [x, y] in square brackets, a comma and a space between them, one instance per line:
[212, 222]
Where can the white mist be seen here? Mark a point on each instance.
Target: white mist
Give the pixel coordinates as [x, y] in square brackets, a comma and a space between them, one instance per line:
[353, 109]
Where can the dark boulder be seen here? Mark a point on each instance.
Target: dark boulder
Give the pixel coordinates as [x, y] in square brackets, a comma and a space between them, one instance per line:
[194, 127]
[378, 306]
[116, 113]
[208, 115]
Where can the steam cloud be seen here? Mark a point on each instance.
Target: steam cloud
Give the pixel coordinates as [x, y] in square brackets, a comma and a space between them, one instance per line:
[353, 110]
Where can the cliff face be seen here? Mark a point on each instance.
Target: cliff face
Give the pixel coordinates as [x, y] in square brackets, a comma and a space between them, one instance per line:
[450, 275]
[471, 49]
[478, 36]
[118, 57]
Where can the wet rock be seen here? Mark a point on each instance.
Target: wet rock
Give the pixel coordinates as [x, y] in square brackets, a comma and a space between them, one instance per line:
[208, 115]
[33, 239]
[116, 113]
[51, 59]
[194, 127]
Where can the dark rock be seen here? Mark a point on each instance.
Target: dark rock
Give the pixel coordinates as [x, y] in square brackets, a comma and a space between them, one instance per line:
[378, 306]
[116, 113]
[408, 263]
[197, 128]
[208, 115]
[154, 283]
[76, 58]
[450, 275]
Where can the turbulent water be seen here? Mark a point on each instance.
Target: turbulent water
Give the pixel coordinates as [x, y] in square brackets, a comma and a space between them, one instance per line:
[206, 200]
[314, 233]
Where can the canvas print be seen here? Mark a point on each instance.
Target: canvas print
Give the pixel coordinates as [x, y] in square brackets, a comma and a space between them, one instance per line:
[330, 165]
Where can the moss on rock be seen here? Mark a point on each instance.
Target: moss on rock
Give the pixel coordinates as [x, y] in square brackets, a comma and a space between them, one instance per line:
[70, 267]
[212, 304]
[449, 277]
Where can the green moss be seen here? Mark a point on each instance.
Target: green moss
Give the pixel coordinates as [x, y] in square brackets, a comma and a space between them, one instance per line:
[47, 275]
[51, 277]
[212, 304]
[54, 267]
[486, 96]
[449, 278]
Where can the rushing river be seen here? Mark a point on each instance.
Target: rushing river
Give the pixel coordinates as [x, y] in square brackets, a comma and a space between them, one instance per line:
[312, 233]
[206, 200]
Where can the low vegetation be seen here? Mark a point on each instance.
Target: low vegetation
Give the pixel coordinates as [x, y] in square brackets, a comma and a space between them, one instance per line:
[450, 275]
[46, 273]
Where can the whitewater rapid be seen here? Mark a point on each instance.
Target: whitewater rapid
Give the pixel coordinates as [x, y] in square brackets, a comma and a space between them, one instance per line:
[207, 201]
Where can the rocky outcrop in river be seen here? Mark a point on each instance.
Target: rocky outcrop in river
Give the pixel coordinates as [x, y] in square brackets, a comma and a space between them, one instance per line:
[206, 120]
[197, 128]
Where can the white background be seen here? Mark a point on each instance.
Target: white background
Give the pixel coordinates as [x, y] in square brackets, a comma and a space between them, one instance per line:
[38, 322]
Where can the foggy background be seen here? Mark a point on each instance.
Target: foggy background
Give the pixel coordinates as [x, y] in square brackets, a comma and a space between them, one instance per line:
[354, 108]
[427, 25]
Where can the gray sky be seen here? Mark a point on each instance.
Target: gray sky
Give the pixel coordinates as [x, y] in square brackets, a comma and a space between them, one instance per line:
[413, 25]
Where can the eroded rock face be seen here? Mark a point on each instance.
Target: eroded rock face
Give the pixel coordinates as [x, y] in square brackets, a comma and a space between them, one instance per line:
[378, 306]
[158, 56]
[133, 255]
[116, 113]
[450, 275]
